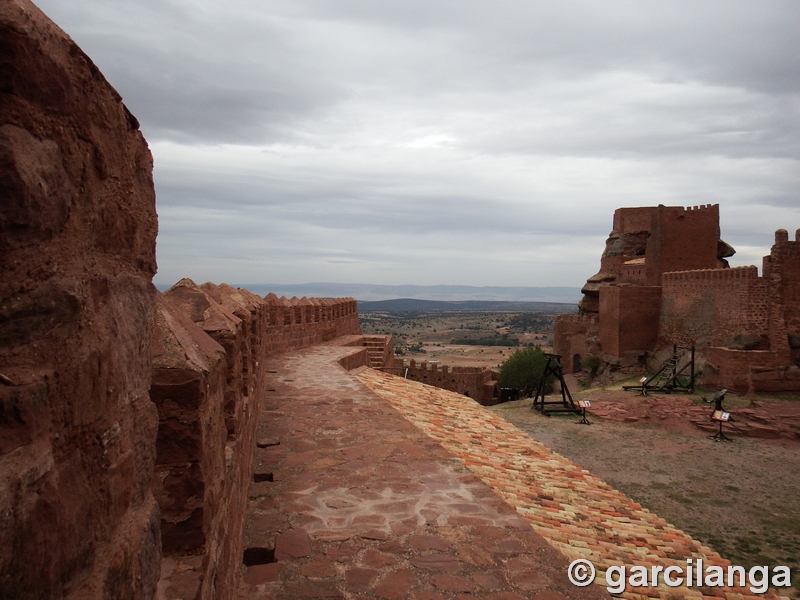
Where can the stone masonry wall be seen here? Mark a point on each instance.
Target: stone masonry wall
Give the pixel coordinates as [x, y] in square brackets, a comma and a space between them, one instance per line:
[713, 307]
[682, 239]
[629, 319]
[300, 323]
[575, 336]
[776, 368]
[208, 380]
[77, 256]
[784, 280]
[480, 384]
[749, 371]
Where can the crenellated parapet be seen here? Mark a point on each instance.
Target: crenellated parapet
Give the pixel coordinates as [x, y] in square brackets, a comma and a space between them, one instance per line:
[479, 383]
[210, 346]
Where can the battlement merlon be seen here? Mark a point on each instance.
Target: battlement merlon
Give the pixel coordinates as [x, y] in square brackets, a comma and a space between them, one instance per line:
[745, 272]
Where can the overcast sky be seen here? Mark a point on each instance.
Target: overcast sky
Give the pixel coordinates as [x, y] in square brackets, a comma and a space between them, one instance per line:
[447, 142]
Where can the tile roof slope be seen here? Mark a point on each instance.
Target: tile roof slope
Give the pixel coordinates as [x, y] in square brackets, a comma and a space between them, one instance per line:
[576, 512]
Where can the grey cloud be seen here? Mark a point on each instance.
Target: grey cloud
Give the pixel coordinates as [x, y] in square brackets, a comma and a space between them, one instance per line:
[246, 71]
[358, 140]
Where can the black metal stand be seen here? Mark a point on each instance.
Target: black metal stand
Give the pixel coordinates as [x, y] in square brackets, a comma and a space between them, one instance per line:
[566, 404]
[584, 420]
[719, 436]
[719, 414]
[668, 378]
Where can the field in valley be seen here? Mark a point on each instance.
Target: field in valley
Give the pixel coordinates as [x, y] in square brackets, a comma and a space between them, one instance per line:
[486, 336]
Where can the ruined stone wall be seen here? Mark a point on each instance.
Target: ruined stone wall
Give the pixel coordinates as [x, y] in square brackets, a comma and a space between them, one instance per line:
[749, 371]
[629, 318]
[574, 338]
[77, 256]
[719, 307]
[480, 384]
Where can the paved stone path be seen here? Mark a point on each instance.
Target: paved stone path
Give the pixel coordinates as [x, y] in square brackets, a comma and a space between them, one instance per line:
[350, 500]
[576, 512]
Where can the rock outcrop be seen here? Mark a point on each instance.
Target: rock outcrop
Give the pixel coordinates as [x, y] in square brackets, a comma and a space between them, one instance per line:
[77, 256]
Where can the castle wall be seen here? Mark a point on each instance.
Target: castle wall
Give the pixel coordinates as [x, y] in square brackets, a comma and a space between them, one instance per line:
[629, 220]
[188, 388]
[682, 239]
[77, 256]
[478, 383]
[749, 371]
[575, 337]
[208, 379]
[291, 326]
[784, 281]
[714, 307]
[629, 317]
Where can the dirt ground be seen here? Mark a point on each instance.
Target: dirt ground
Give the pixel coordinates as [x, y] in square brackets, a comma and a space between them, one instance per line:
[740, 497]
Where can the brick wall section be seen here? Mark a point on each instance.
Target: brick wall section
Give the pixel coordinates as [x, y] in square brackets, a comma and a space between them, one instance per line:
[710, 307]
[480, 384]
[575, 336]
[750, 371]
[77, 255]
[784, 281]
[629, 319]
[294, 324]
[682, 239]
[628, 220]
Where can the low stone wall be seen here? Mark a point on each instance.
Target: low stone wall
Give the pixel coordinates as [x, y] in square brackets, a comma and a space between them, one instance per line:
[749, 371]
[476, 382]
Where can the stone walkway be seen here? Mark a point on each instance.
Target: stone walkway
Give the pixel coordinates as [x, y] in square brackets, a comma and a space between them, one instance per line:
[351, 500]
[576, 512]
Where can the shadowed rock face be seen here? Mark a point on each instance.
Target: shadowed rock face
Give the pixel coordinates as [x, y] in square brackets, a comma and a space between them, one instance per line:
[77, 255]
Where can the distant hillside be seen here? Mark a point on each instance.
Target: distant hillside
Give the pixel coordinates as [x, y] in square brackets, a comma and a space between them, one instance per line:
[411, 305]
[369, 292]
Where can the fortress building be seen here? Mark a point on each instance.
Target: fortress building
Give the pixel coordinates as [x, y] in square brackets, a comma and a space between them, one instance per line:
[664, 281]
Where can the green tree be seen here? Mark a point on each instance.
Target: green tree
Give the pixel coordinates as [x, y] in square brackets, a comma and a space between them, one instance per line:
[524, 369]
[591, 364]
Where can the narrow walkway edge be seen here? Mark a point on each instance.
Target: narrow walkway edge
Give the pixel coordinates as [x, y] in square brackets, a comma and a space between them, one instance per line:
[350, 500]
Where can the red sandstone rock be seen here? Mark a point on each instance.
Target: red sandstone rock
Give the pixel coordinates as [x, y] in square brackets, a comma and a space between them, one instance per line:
[188, 387]
[258, 574]
[292, 544]
[77, 255]
[396, 585]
